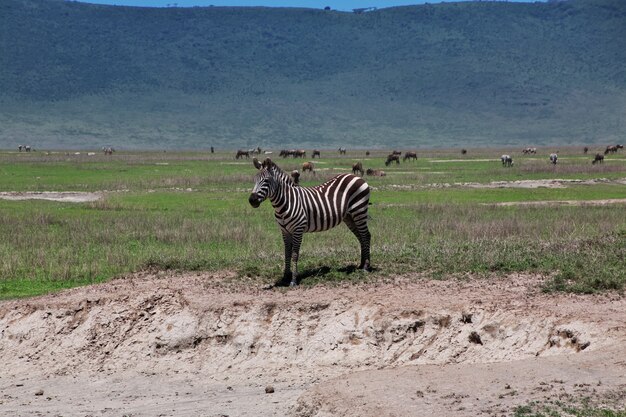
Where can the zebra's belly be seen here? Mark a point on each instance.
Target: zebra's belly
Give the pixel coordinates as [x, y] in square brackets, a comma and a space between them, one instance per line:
[309, 224]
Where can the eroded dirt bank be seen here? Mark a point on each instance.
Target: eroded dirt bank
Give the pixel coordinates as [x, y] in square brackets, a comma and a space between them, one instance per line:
[197, 344]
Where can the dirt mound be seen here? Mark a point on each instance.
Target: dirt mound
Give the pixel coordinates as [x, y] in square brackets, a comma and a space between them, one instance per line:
[190, 326]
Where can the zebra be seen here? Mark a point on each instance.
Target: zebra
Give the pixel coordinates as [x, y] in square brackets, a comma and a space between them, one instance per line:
[507, 161]
[553, 158]
[300, 210]
[342, 151]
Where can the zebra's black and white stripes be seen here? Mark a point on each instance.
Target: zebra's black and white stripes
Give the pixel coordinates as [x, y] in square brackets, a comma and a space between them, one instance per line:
[299, 210]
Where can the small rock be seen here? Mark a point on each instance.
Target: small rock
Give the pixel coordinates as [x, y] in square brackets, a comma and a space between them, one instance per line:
[475, 338]
[269, 389]
[40, 392]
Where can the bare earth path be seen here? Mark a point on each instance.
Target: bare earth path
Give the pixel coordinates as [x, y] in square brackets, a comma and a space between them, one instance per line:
[201, 345]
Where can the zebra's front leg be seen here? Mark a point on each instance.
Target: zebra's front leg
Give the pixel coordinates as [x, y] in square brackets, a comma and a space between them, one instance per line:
[288, 241]
[296, 241]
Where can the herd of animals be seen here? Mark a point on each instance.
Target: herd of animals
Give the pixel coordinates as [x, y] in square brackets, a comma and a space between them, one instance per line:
[342, 199]
[395, 156]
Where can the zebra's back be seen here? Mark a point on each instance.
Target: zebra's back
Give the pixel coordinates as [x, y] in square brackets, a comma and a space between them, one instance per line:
[324, 206]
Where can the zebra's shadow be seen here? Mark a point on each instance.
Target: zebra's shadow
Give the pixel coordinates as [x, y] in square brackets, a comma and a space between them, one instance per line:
[321, 272]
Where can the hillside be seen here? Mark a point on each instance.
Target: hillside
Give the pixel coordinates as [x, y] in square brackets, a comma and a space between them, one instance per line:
[452, 74]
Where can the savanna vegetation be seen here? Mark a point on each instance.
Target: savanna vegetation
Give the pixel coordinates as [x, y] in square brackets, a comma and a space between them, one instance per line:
[74, 75]
[441, 215]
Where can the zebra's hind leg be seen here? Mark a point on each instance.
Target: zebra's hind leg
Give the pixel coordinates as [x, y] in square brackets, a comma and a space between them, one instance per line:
[357, 223]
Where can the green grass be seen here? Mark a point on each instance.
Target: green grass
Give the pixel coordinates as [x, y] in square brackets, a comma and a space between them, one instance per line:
[193, 214]
[571, 407]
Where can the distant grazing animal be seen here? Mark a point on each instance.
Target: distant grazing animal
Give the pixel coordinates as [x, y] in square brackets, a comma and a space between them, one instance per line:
[598, 158]
[394, 152]
[553, 158]
[308, 166]
[299, 153]
[342, 151]
[241, 154]
[108, 150]
[367, 153]
[463, 151]
[299, 210]
[284, 153]
[296, 176]
[529, 150]
[20, 147]
[375, 172]
[618, 146]
[391, 158]
[357, 167]
[507, 161]
[26, 148]
[610, 149]
[410, 155]
[585, 150]
[316, 152]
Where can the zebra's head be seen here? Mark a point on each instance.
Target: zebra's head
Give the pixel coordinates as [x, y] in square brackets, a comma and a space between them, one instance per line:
[264, 182]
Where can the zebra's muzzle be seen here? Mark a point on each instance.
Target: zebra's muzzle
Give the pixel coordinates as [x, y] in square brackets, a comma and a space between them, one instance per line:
[254, 200]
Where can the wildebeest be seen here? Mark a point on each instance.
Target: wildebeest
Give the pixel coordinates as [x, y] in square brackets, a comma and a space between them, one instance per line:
[529, 150]
[598, 158]
[108, 150]
[357, 167]
[507, 161]
[367, 153]
[342, 151]
[295, 175]
[585, 150]
[299, 153]
[375, 172]
[463, 151]
[394, 152]
[553, 158]
[610, 149]
[410, 155]
[241, 153]
[285, 153]
[316, 152]
[391, 158]
[308, 166]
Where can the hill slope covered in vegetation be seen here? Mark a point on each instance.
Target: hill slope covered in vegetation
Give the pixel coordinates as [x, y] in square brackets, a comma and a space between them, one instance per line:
[452, 74]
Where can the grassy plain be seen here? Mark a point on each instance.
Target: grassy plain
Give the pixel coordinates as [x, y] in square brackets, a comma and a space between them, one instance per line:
[189, 211]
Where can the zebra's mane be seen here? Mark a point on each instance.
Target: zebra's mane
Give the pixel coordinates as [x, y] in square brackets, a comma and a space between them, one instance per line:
[277, 172]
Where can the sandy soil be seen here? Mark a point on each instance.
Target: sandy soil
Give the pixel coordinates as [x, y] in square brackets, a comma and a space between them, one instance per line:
[64, 196]
[563, 202]
[202, 344]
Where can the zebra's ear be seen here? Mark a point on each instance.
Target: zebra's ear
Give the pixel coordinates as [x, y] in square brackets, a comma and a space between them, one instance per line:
[268, 162]
[256, 163]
